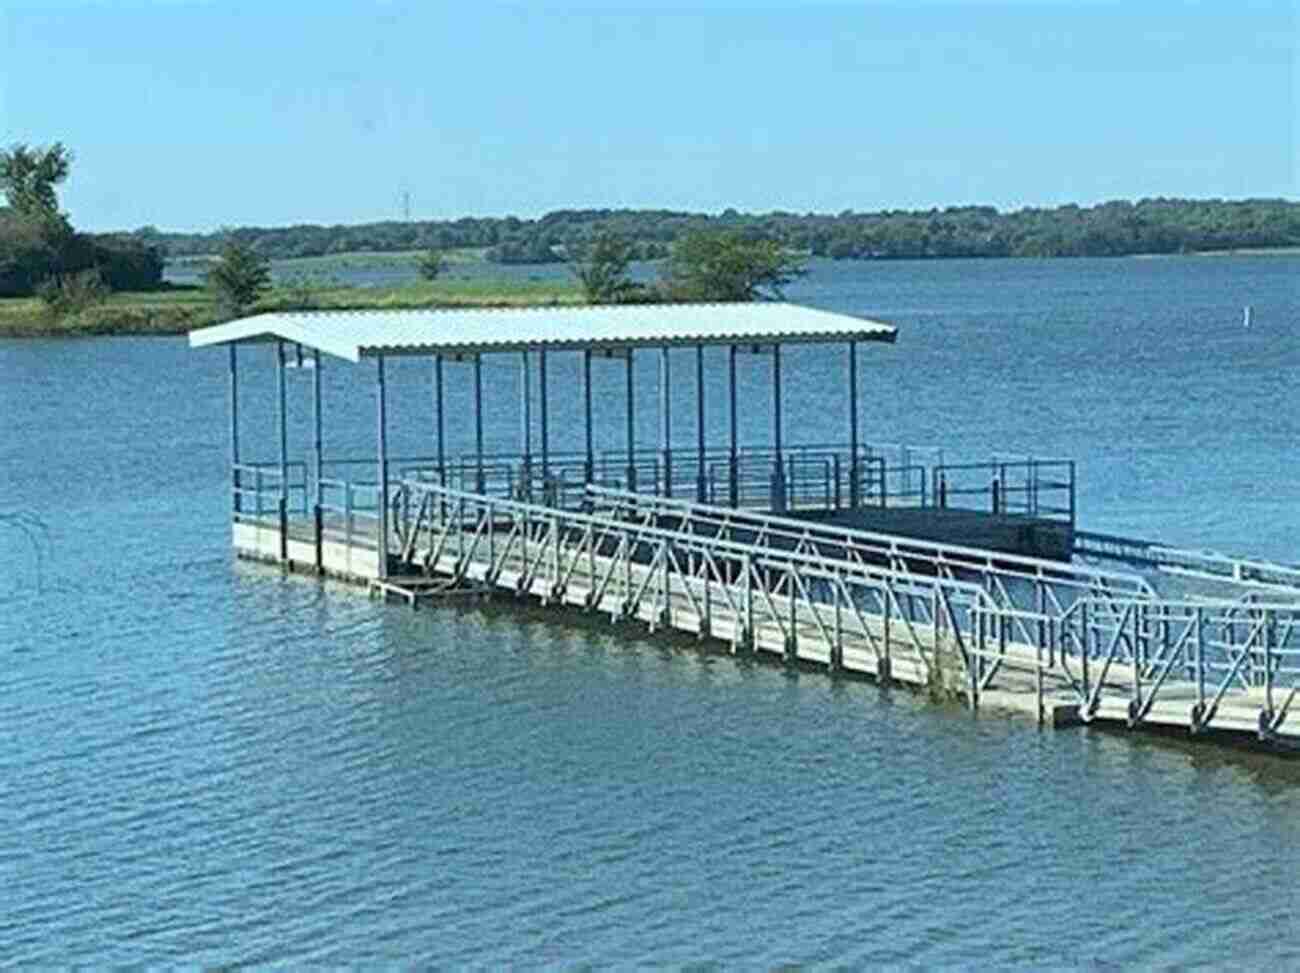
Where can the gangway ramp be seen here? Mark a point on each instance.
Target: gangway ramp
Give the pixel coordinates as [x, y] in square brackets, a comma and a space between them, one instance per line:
[1091, 648]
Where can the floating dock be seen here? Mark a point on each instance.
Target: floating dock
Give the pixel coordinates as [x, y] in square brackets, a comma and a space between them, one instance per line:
[955, 578]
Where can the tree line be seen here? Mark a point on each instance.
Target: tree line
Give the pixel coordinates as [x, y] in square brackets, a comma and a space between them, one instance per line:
[41, 252]
[1117, 228]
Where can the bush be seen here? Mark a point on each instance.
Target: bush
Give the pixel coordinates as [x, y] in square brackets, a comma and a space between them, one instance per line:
[72, 293]
[430, 264]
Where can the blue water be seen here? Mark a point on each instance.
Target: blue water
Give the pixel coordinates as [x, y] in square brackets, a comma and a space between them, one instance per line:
[209, 762]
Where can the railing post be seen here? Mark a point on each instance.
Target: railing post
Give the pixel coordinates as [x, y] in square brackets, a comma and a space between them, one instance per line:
[792, 640]
[1072, 508]
[1087, 685]
[706, 623]
[747, 635]
[837, 643]
[1269, 620]
[1198, 714]
[347, 516]
[884, 664]
[1141, 652]
[555, 556]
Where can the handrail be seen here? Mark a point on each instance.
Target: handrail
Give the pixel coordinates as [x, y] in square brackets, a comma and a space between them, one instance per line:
[892, 543]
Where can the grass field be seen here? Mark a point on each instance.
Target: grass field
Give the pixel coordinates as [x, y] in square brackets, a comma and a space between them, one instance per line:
[180, 308]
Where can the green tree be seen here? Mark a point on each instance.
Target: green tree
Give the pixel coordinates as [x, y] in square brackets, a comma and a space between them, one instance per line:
[710, 266]
[601, 269]
[430, 264]
[28, 175]
[239, 278]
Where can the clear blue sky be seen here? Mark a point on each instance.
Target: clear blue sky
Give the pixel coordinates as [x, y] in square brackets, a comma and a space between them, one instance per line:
[198, 115]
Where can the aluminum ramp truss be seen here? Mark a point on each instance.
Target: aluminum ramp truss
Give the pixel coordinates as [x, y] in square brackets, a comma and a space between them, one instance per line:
[1037, 637]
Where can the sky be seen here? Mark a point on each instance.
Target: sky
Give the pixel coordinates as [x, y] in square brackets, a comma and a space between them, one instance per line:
[194, 116]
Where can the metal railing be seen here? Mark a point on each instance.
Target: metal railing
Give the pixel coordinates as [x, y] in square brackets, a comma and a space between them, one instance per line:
[258, 488]
[1028, 487]
[803, 477]
[349, 513]
[1015, 582]
[899, 622]
[1207, 664]
[919, 611]
[1204, 565]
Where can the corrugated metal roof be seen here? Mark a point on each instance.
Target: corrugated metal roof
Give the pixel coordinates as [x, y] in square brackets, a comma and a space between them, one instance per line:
[364, 334]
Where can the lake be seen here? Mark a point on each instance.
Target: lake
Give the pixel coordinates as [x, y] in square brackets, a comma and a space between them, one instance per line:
[210, 762]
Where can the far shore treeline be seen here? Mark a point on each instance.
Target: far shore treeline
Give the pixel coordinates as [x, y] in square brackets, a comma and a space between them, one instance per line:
[1151, 226]
[56, 279]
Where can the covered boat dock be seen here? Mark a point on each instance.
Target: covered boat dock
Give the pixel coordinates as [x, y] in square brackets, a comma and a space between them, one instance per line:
[952, 576]
[1016, 505]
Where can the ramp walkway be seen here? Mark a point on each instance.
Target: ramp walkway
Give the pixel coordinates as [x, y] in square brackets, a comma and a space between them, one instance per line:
[1062, 643]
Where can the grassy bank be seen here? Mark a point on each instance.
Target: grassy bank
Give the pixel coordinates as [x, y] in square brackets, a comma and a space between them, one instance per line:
[179, 309]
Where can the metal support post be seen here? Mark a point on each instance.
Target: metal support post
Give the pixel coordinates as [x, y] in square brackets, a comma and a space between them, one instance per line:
[778, 463]
[478, 423]
[854, 472]
[318, 512]
[631, 427]
[733, 465]
[543, 415]
[282, 416]
[525, 426]
[441, 424]
[665, 423]
[234, 429]
[382, 437]
[590, 469]
[702, 477]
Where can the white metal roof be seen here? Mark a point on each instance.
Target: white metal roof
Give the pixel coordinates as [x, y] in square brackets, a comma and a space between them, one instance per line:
[364, 334]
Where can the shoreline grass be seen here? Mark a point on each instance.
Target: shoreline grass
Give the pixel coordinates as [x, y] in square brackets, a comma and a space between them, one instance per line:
[180, 308]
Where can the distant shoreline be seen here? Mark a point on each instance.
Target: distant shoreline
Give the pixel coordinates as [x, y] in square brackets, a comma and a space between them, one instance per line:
[1244, 252]
[306, 285]
[180, 308]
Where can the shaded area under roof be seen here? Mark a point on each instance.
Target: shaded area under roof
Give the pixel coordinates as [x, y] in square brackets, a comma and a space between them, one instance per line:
[354, 335]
